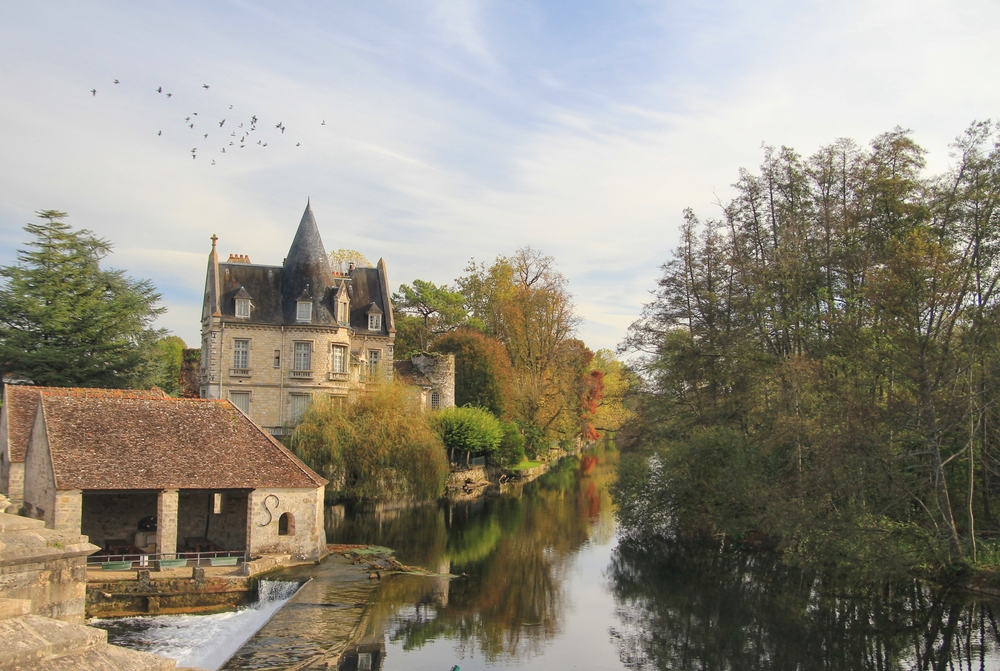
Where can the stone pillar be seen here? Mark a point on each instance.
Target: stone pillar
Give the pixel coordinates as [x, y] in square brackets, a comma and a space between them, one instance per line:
[166, 523]
[68, 513]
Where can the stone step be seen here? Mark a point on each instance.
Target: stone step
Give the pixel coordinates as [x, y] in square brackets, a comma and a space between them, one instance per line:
[104, 658]
[29, 639]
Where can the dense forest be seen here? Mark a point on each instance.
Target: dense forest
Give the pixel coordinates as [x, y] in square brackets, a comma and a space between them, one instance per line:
[821, 363]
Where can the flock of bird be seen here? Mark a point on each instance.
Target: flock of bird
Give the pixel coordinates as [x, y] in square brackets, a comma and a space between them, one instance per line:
[239, 136]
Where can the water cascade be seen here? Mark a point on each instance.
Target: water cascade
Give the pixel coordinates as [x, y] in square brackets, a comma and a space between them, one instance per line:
[206, 641]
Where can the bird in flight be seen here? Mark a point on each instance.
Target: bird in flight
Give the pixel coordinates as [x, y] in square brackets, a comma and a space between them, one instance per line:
[169, 94]
[213, 161]
[297, 144]
[223, 150]
[187, 119]
[253, 119]
[204, 86]
[206, 135]
[324, 122]
[159, 89]
[94, 91]
[117, 82]
[222, 122]
[191, 125]
[230, 107]
[194, 113]
[160, 133]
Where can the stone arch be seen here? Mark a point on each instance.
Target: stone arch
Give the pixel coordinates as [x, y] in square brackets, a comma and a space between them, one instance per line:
[286, 524]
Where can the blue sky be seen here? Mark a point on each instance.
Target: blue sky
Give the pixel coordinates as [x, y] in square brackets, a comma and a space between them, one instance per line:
[453, 130]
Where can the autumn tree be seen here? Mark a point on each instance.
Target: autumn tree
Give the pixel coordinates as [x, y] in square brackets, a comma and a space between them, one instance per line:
[341, 260]
[483, 374]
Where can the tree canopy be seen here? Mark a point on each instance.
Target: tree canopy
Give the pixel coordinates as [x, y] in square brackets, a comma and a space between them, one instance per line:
[820, 360]
[65, 321]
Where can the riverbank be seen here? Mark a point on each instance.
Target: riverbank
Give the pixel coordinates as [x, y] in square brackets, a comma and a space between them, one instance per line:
[466, 484]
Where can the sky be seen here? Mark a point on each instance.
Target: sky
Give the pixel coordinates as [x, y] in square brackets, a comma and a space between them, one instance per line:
[429, 133]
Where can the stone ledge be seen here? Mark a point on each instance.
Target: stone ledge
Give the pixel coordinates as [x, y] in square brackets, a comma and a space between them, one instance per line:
[14, 608]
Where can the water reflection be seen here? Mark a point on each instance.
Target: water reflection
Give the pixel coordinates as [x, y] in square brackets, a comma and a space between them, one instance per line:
[694, 607]
[512, 552]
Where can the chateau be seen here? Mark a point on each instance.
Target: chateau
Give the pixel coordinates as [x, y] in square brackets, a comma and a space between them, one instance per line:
[275, 336]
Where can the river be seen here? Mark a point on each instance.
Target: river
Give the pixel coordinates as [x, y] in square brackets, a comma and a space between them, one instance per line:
[546, 583]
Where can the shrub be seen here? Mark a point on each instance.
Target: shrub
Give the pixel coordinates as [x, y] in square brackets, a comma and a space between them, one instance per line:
[469, 429]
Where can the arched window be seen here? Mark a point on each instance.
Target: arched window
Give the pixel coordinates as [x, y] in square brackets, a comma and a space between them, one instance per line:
[286, 525]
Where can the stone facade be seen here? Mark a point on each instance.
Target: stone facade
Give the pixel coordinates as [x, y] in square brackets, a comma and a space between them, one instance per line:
[275, 337]
[302, 534]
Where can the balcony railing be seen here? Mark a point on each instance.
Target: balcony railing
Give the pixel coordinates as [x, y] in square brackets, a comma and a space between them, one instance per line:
[239, 372]
[302, 374]
[343, 377]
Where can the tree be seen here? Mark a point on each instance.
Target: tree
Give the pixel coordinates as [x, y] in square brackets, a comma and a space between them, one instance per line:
[168, 355]
[66, 322]
[438, 308]
[818, 364]
[468, 429]
[524, 302]
[378, 445]
[341, 260]
[483, 375]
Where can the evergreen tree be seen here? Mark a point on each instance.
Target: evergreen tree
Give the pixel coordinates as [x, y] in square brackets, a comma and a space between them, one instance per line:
[64, 321]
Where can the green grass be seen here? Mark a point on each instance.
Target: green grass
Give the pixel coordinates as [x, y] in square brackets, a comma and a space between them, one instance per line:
[525, 465]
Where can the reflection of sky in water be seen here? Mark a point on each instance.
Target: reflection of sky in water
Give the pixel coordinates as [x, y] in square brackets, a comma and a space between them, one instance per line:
[582, 641]
[205, 641]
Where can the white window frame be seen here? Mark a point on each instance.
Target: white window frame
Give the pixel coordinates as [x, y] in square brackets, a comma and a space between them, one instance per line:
[245, 394]
[338, 359]
[217, 503]
[243, 308]
[303, 311]
[435, 400]
[377, 355]
[374, 322]
[241, 355]
[302, 353]
[293, 400]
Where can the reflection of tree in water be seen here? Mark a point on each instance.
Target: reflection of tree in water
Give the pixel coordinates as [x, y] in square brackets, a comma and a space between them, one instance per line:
[687, 607]
[515, 551]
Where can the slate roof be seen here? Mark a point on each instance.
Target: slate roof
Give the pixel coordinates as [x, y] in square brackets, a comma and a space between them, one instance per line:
[100, 442]
[274, 289]
[22, 400]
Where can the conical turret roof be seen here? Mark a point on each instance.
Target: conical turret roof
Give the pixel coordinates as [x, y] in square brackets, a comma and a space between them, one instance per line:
[306, 269]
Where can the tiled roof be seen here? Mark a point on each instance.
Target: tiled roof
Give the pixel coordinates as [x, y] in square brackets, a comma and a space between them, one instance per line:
[22, 400]
[129, 443]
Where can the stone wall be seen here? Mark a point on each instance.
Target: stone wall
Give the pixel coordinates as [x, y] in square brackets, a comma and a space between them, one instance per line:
[5, 459]
[15, 482]
[46, 566]
[39, 480]
[439, 369]
[306, 507]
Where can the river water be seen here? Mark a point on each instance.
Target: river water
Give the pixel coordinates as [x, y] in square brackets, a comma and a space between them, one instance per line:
[545, 582]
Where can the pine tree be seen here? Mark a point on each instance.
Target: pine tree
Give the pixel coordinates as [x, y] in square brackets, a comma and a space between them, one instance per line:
[64, 321]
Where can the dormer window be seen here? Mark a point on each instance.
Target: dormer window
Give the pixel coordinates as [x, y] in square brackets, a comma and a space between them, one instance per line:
[303, 311]
[374, 318]
[342, 314]
[243, 304]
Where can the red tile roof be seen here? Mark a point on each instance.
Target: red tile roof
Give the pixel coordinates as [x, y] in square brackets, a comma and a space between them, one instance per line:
[21, 401]
[101, 442]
